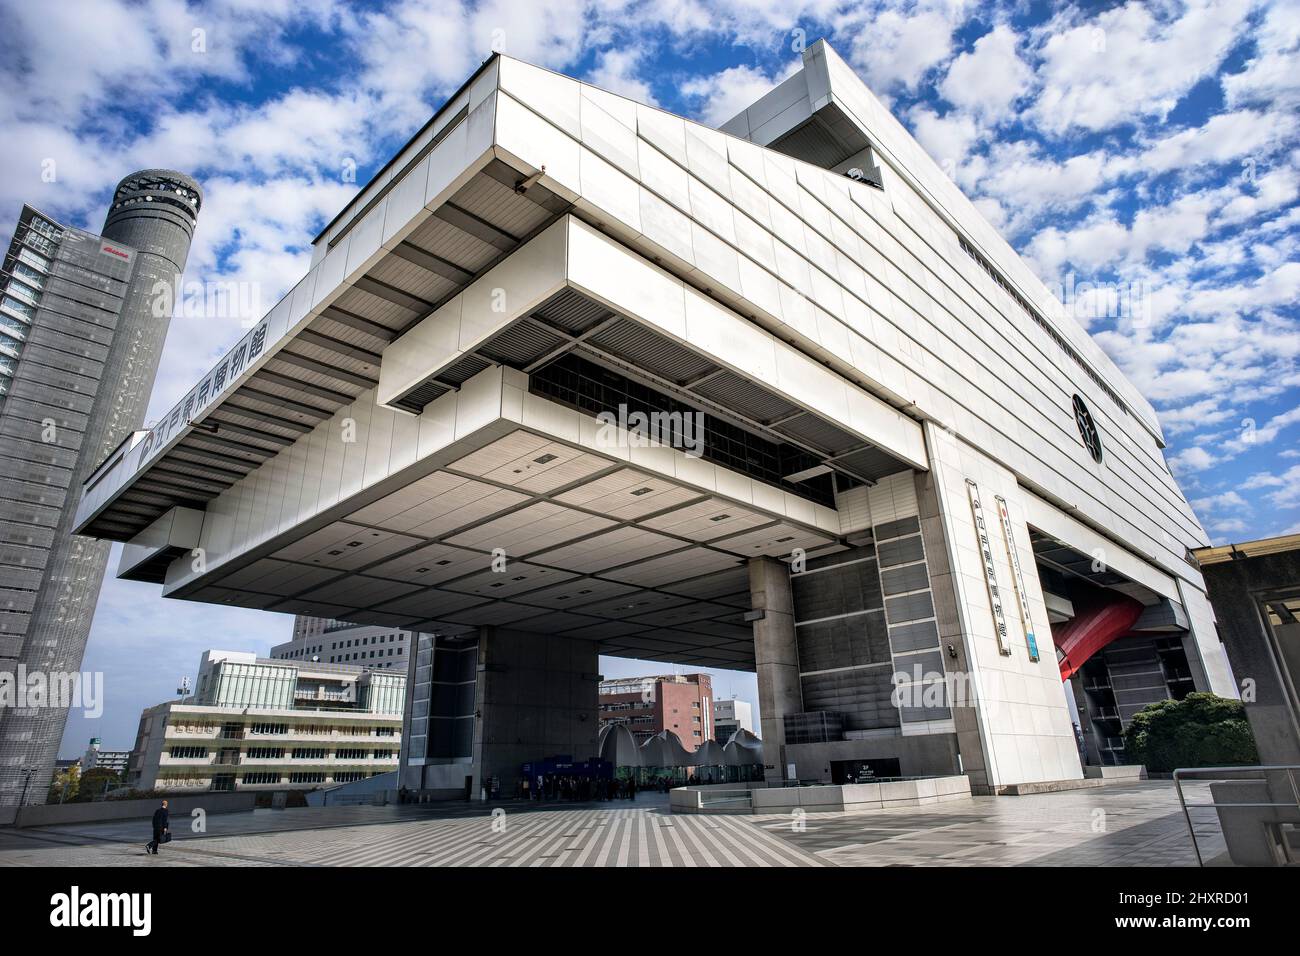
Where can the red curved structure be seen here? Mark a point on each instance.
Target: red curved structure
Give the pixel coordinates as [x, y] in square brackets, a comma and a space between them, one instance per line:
[1093, 627]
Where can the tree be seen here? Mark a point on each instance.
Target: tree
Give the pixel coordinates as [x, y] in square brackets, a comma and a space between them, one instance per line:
[1201, 730]
[64, 786]
[94, 782]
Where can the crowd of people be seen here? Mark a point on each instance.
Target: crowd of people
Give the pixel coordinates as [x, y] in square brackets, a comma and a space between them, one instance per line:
[583, 789]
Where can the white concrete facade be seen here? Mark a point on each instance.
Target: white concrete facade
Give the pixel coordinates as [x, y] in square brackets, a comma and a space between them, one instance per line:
[258, 724]
[185, 748]
[729, 716]
[852, 314]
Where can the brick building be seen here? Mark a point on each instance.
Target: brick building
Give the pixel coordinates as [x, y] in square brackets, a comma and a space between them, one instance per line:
[682, 703]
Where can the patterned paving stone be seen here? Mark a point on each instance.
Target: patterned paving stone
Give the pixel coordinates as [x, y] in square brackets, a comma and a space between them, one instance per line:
[1132, 825]
[1135, 825]
[602, 835]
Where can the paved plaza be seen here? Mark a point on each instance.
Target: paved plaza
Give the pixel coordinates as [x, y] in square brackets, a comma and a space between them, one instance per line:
[1130, 825]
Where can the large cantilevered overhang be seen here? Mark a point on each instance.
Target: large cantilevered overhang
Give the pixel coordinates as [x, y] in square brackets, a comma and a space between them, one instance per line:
[442, 213]
[456, 319]
[479, 443]
[830, 266]
[453, 204]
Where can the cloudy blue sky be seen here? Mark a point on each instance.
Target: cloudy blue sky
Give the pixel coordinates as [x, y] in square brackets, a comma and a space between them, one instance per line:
[1143, 147]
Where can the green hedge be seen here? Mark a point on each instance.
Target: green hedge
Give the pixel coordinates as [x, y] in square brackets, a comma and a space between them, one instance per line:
[1201, 730]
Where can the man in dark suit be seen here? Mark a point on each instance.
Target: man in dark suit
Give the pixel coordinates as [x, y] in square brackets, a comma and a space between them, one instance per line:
[160, 826]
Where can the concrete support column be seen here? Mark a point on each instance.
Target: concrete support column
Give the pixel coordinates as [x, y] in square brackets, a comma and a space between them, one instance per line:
[1267, 655]
[536, 697]
[776, 655]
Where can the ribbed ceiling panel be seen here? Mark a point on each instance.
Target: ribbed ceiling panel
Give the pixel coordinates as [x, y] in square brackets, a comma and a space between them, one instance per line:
[635, 343]
[745, 397]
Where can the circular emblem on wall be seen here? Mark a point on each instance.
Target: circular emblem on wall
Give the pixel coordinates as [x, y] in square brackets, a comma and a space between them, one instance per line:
[1087, 429]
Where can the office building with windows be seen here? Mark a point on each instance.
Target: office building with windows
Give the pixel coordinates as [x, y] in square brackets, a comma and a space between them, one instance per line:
[575, 376]
[681, 703]
[83, 318]
[254, 723]
[96, 758]
[337, 642]
[305, 627]
[730, 716]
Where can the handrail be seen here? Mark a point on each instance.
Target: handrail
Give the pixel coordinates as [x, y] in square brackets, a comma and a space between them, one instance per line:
[1222, 772]
[724, 796]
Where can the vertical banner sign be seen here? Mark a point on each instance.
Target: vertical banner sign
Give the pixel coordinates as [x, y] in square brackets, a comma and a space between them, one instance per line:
[1017, 579]
[990, 573]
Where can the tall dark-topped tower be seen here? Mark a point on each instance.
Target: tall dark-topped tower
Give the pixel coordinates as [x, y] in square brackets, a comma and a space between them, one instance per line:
[83, 319]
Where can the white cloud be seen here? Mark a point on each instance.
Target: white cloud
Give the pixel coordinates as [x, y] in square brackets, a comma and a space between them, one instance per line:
[617, 72]
[1226, 526]
[1194, 458]
[1129, 62]
[1026, 180]
[1193, 415]
[79, 53]
[1287, 485]
[414, 52]
[1270, 75]
[1223, 501]
[1275, 189]
[988, 80]
[898, 47]
[946, 138]
[992, 210]
[1222, 138]
[1254, 435]
[1102, 240]
[720, 96]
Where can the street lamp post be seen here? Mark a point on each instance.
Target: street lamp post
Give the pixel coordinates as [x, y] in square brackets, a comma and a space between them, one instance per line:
[28, 773]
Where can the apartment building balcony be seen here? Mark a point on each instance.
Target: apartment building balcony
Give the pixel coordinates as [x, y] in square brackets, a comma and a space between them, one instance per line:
[209, 760]
[167, 760]
[211, 733]
[330, 760]
[341, 738]
[342, 735]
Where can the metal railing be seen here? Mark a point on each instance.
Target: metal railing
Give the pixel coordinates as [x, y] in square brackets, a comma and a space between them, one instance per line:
[854, 783]
[734, 798]
[331, 799]
[1227, 774]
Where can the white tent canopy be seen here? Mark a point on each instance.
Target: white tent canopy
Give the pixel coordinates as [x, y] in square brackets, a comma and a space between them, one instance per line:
[665, 749]
[618, 746]
[743, 749]
[710, 754]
